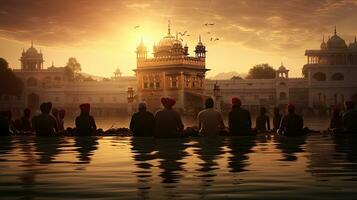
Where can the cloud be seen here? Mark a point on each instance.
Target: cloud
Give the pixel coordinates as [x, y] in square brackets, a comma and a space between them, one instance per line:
[270, 25]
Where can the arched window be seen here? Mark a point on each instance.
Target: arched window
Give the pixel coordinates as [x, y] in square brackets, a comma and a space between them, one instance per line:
[319, 76]
[337, 77]
[282, 96]
[32, 82]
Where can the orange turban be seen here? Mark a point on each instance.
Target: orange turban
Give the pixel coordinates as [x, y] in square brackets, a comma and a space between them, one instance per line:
[236, 101]
[168, 102]
[85, 107]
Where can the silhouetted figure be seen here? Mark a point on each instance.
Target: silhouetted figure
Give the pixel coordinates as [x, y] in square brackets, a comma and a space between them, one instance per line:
[210, 121]
[263, 121]
[291, 124]
[85, 123]
[5, 122]
[24, 123]
[277, 118]
[143, 122]
[350, 118]
[336, 120]
[54, 113]
[45, 123]
[239, 119]
[61, 115]
[168, 122]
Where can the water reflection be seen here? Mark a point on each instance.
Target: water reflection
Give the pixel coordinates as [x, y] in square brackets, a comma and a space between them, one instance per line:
[142, 150]
[47, 148]
[209, 150]
[5, 147]
[239, 148]
[85, 146]
[170, 153]
[289, 146]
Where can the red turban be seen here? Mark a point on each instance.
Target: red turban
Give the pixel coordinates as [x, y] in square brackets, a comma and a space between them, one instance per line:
[350, 104]
[291, 108]
[85, 107]
[168, 102]
[236, 101]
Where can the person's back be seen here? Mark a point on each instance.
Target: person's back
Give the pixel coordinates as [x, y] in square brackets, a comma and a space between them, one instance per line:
[209, 120]
[276, 119]
[239, 119]
[291, 124]
[44, 123]
[143, 122]
[167, 121]
[263, 121]
[350, 118]
[85, 123]
[336, 122]
[4, 123]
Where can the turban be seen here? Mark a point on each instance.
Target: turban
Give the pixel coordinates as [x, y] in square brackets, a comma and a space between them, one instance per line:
[168, 102]
[236, 102]
[142, 105]
[350, 104]
[291, 108]
[85, 107]
[46, 107]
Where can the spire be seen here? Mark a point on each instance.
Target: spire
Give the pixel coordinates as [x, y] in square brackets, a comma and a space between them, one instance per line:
[355, 39]
[335, 30]
[176, 35]
[199, 38]
[323, 38]
[282, 63]
[169, 28]
[31, 43]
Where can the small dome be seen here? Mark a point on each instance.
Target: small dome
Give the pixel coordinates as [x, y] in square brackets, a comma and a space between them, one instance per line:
[323, 45]
[353, 45]
[32, 51]
[282, 67]
[336, 42]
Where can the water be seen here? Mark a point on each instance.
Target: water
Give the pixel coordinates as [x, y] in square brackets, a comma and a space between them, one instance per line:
[262, 167]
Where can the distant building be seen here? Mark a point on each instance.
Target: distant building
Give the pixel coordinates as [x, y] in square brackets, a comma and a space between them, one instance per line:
[107, 97]
[331, 72]
[171, 72]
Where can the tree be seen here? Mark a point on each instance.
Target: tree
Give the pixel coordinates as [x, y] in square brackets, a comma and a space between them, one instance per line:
[74, 68]
[11, 85]
[236, 78]
[261, 71]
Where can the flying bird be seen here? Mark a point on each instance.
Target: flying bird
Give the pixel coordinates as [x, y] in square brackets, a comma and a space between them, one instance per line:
[136, 27]
[182, 34]
[211, 39]
[211, 24]
[188, 35]
[208, 32]
[216, 39]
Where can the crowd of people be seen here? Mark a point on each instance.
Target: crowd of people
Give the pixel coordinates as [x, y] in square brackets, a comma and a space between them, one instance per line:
[167, 123]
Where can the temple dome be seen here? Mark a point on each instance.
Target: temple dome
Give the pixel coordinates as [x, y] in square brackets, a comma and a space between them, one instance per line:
[323, 45]
[336, 42]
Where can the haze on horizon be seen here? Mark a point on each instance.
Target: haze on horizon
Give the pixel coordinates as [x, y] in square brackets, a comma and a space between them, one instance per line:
[101, 34]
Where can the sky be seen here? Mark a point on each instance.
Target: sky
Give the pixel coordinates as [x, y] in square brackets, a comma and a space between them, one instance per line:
[101, 33]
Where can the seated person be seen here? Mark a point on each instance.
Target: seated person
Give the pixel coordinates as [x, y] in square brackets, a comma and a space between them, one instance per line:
[263, 121]
[168, 123]
[24, 123]
[85, 123]
[61, 115]
[276, 119]
[143, 122]
[5, 122]
[45, 123]
[239, 120]
[210, 121]
[349, 118]
[291, 124]
[336, 120]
